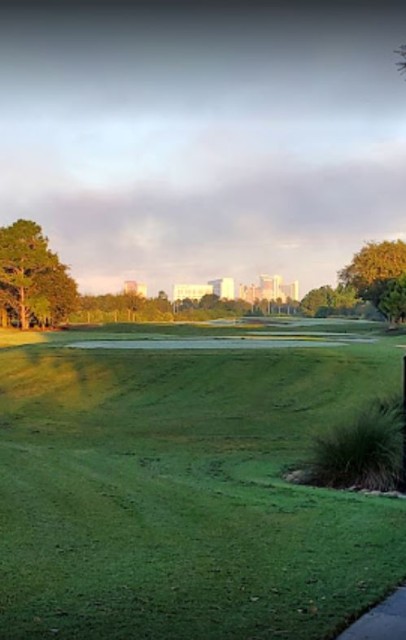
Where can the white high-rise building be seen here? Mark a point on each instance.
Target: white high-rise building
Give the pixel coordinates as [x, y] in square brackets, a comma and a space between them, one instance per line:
[223, 288]
[192, 291]
[270, 286]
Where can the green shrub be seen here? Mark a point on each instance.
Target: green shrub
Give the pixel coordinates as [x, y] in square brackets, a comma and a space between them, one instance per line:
[366, 454]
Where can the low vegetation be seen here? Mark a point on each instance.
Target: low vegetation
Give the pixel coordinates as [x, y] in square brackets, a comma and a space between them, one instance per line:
[365, 453]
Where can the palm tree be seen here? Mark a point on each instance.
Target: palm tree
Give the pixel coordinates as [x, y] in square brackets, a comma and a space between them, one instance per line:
[402, 53]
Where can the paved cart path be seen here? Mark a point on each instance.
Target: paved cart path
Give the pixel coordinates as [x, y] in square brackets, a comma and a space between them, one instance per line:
[387, 621]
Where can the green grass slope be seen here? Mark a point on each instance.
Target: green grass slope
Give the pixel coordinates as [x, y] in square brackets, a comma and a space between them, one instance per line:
[142, 494]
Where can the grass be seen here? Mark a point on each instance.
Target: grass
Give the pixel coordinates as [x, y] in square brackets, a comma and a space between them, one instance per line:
[365, 452]
[10, 338]
[142, 492]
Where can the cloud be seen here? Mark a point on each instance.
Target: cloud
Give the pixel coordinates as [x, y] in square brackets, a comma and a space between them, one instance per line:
[205, 60]
[276, 214]
[184, 146]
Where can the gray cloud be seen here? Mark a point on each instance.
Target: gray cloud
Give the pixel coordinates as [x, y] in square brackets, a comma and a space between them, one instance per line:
[210, 60]
[188, 145]
[282, 215]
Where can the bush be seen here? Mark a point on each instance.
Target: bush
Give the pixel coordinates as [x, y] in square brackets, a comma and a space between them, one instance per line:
[366, 454]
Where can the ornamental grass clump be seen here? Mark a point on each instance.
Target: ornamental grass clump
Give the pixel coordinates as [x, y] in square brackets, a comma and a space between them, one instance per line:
[366, 454]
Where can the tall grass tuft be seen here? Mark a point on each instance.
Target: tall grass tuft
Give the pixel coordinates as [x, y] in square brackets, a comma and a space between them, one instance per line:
[366, 454]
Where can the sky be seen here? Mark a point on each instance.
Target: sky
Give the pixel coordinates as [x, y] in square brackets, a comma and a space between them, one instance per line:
[181, 142]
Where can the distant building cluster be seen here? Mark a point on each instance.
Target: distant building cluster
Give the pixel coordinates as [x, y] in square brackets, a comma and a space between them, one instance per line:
[269, 288]
[222, 287]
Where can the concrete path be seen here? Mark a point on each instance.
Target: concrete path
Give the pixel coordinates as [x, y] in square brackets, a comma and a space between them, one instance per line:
[387, 621]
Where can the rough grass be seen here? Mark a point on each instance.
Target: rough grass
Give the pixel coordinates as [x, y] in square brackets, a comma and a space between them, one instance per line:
[142, 495]
[365, 452]
[12, 338]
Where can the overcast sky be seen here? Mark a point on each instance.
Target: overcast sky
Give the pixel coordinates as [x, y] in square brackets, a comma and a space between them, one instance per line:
[179, 143]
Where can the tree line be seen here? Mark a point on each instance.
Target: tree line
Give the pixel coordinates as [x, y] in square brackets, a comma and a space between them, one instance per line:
[130, 307]
[373, 285]
[36, 289]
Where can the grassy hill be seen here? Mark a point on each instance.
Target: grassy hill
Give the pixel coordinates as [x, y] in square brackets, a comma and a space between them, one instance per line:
[142, 491]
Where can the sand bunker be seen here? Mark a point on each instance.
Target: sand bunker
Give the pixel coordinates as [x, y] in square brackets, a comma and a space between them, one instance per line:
[208, 343]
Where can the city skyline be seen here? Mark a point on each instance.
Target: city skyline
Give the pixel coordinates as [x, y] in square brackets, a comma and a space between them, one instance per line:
[208, 138]
[268, 288]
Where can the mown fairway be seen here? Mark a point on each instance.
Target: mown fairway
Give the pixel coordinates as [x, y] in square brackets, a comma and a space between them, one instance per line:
[142, 493]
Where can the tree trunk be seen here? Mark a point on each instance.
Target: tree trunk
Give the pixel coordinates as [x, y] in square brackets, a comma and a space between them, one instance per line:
[23, 311]
[4, 318]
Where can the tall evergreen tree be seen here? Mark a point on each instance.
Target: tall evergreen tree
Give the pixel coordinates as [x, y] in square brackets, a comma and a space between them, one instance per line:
[32, 279]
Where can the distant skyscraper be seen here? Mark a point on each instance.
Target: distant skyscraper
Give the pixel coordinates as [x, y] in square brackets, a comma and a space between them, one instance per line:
[130, 286]
[270, 287]
[291, 290]
[223, 288]
[249, 293]
[137, 288]
[192, 291]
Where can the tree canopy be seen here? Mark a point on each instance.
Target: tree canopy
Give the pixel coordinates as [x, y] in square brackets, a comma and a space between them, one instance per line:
[373, 267]
[326, 301]
[35, 286]
[315, 299]
[393, 301]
